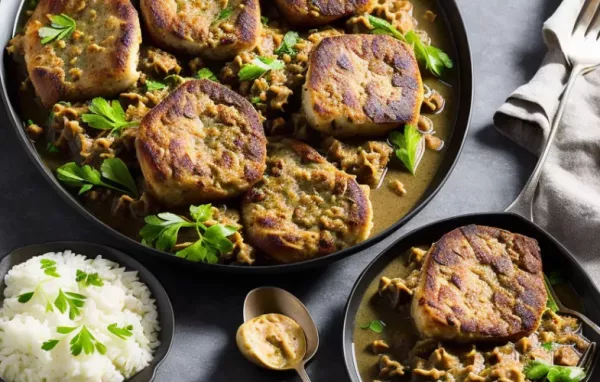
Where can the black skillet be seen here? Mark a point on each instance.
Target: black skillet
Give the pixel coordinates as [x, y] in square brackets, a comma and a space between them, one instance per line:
[11, 19]
[518, 218]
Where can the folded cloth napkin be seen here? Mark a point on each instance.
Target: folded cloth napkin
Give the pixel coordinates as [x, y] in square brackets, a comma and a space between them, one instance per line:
[568, 198]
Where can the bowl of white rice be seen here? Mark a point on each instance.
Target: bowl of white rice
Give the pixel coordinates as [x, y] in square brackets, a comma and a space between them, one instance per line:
[74, 311]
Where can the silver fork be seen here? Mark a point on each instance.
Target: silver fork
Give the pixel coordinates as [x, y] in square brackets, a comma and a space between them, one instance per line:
[587, 359]
[583, 56]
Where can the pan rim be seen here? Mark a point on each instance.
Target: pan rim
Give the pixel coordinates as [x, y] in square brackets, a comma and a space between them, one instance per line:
[461, 45]
[361, 284]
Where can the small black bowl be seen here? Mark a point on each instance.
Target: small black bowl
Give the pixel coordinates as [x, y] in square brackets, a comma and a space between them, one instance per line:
[166, 317]
[554, 257]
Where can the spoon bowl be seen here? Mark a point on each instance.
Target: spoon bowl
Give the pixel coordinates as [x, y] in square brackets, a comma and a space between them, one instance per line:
[267, 300]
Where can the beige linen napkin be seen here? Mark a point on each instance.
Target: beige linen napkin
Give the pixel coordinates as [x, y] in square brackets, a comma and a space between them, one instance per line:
[568, 198]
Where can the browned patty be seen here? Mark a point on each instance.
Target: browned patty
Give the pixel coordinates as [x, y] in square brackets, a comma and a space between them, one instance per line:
[202, 143]
[99, 59]
[304, 207]
[362, 85]
[480, 283]
[215, 29]
[321, 12]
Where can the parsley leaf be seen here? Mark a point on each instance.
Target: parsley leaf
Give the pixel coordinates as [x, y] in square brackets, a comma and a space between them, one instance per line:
[206, 73]
[25, 297]
[255, 100]
[548, 346]
[49, 267]
[540, 370]
[87, 177]
[258, 67]
[123, 332]
[408, 146]
[107, 116]
[114, 169]
[225, 13]
[49, 345]
[51, 148]
[69, 301]
[375, 325]
[161, 232]
[434, 59]
[550, 303]
[88, 279]
[154, 85]
[264, 20]
[61, 27]
[288, 44]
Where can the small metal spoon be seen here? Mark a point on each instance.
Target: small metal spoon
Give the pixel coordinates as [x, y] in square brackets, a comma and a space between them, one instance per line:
[267, 300]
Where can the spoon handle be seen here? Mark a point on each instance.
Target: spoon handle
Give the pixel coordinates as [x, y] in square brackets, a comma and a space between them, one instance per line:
[302, 373]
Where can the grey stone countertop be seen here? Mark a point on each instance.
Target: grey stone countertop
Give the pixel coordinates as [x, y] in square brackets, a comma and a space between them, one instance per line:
[507, 48]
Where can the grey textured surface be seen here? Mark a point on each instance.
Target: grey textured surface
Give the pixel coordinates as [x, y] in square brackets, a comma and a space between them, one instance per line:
[507, 49]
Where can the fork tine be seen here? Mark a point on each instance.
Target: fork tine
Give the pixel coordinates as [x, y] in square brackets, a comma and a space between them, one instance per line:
[594, 28]
[585, 362]
[585, 18]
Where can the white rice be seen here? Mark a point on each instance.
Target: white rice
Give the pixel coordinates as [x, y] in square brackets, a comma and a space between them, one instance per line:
[24, 327]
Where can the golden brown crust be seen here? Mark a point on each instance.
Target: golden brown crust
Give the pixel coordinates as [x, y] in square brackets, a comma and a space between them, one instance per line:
[304, 207]
[202, 143]
[99, 59]
[193, 26]
[321, 12]
[362, 85]
[480, 283]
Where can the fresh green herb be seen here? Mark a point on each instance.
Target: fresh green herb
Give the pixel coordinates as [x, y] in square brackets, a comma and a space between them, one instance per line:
[61, 27]
[25, 297]
[407, 146]
[115, 170]
[288, 44]
[107, 116]
[83, 341]
[69, 301]
[434, 59]
[64, 103]
[87, 177]
[161, 232]
[49, 345]
[88, 279]
[51, 148]
[375, 325]
[49, 267]
[29, 122]
[123, 332]
[550, 303]
[154, 85]
[255, 100]
[540, 370]
[206, 73]
[548, 345]
[225, 13]
[65, 329]
[258, 67]
[264, 20]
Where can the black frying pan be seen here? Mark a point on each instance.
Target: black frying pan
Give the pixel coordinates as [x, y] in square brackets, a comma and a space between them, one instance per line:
[554, 256]
[10, 11]
[518, 219]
